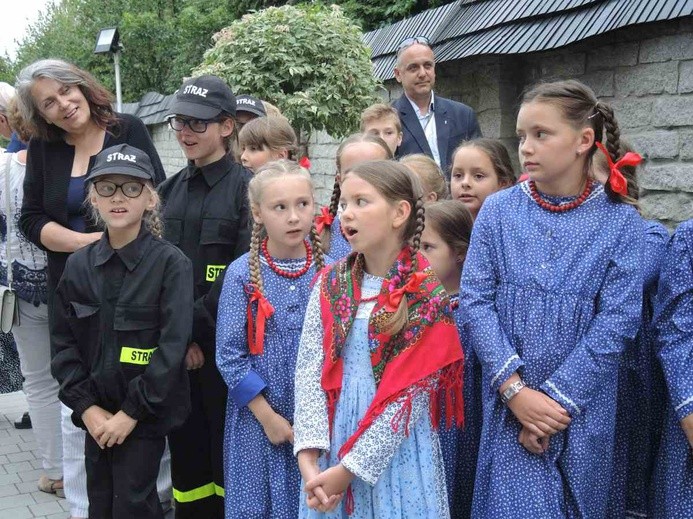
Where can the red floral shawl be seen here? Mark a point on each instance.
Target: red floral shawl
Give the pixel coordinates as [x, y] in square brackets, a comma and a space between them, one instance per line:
[426, 355]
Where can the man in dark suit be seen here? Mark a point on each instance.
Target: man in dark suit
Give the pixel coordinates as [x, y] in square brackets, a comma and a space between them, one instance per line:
[430, 124]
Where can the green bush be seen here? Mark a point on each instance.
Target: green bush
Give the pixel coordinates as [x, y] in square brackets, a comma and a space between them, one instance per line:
[308, 60]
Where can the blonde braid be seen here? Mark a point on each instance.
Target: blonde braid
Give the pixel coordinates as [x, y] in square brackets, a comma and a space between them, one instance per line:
[401, 316]
[152, 218]
[318, 254]
[420, 211]
[154, 223]
[254, 257]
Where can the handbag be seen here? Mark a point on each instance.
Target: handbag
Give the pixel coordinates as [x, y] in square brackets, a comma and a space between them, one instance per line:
[9, 306]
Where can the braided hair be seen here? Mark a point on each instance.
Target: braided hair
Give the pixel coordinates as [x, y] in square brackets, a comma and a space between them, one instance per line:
[396, 183]
[582, 109]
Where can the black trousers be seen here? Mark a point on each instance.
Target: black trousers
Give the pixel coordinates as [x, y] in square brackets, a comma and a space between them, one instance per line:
[121, 480]
[197, 448]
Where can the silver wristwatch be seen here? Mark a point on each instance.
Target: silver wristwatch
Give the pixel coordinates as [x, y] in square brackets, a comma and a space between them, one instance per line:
[512, 390]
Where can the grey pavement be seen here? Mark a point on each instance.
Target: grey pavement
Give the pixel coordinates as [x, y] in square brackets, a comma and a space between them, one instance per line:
[20, 469]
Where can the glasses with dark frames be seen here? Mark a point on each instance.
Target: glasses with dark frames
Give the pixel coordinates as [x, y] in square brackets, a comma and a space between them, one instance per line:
[196, 125]
[106, 188]
[408, 42]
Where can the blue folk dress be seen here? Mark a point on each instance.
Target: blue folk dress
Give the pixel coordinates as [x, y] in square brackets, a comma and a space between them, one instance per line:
[673, 481]
[641, 391]
[554, 297]
[339, 246]
[261, 480]
[460, 446]
[397, 476]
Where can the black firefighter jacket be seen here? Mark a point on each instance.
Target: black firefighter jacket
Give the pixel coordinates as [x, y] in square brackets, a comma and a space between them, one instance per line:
[120, 326]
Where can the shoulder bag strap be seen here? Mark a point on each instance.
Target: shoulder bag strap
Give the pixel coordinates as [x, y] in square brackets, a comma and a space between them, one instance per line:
[8, 220]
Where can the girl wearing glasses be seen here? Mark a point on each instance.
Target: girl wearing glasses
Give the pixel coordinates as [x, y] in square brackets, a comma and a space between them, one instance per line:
[121, 323]
[73, 121]
[206, 215]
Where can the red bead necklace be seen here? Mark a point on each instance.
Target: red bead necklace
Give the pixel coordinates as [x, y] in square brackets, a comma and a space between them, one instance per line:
[559, 208]
[285, 273]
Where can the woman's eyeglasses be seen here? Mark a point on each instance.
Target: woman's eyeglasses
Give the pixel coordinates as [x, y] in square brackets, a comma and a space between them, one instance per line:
[407, 42]
[196, 125]
[107, 188]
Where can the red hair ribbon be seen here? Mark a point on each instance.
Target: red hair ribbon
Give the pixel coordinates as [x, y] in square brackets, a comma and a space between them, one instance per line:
[394, 298]
[617, 181]
[323, 220]
[264, 312]
[304, 162]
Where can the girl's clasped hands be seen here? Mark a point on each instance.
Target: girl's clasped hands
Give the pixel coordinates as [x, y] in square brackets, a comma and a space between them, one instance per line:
[326, 489]
[540, 416]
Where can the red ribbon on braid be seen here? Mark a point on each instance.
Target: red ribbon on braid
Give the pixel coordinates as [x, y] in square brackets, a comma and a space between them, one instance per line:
[256, 338]
[304, 162]
[617, 181]
[323, 220]
[394, 298]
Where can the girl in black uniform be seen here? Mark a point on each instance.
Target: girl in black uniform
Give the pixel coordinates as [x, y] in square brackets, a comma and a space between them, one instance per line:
[121, 325]
[206, 216]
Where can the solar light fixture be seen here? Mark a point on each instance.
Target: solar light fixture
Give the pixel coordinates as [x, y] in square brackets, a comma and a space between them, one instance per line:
[108, 42]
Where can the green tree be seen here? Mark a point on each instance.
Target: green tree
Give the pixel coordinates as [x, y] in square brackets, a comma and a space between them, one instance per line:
[377, 13]
[6, 70]
[308, 60]
[162, 39]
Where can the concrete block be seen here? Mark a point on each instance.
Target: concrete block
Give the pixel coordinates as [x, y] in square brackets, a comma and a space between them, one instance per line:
[20, 456]
[633, 113]
[671, 111]
[665, 48]
[8, 490]
[671, 177]
[13, 468]
[562, 65]
[21, 512]
[655, 144]
[45, 509]
[663, 206]
[7, 479]
[16, 501]
[609, 56]
[655, 78]
[686, 151]
[490, 123]
[685, 77]
[602, 82]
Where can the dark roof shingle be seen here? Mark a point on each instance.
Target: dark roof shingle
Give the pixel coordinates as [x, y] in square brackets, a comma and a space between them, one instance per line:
[482, 27]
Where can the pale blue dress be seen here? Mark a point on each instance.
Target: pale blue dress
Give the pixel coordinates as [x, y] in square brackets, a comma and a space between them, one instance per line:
[396, 476]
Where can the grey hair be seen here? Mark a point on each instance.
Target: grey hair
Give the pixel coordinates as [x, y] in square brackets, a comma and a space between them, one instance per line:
[7, 92]
[97, 96]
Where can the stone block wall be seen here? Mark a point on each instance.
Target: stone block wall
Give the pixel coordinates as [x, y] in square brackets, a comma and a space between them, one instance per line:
[644, 72]
[171, 155]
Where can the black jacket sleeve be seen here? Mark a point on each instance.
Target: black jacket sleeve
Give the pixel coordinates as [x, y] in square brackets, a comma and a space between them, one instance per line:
[33, 216]
[68, 367]
[205, 317]
[244, 224]
[148, 394]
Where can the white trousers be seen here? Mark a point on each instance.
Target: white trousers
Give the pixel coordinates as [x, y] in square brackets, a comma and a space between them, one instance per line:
[33, 346]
